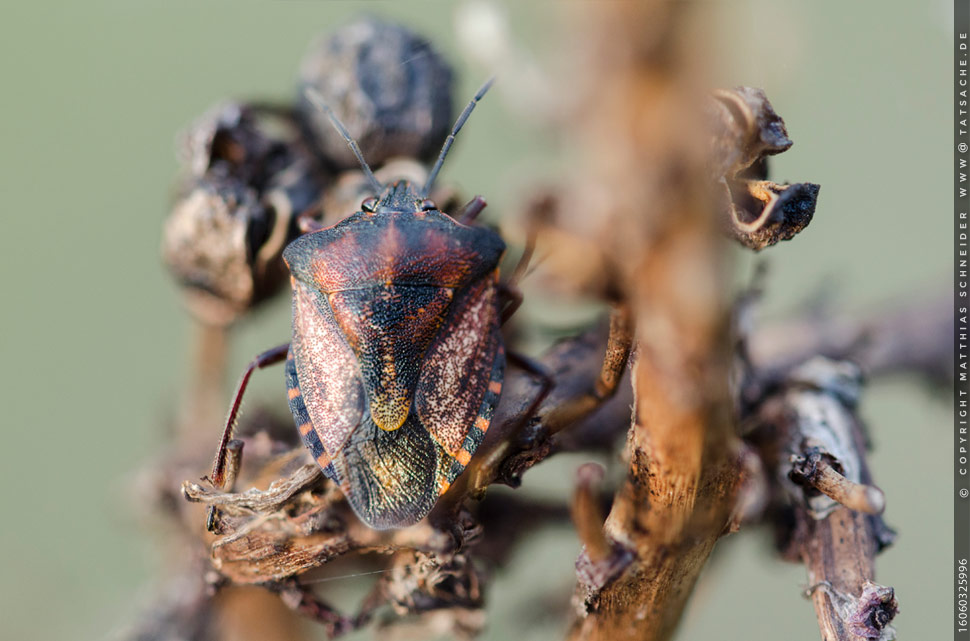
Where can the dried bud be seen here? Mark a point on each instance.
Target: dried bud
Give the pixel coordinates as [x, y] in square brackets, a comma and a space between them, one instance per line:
[761, 212]
[875, 609]
[745, 130]
[246, 176]
[386, 84]
[227, 142]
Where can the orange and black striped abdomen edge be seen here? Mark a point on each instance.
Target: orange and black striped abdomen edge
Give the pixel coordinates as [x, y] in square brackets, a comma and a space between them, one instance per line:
[476, 434]
[302, 418]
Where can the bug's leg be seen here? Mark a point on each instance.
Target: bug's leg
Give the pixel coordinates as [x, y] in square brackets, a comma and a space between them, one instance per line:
[234, 452]
[520, 267]
[300, 598]
[618, 347]
[510, 289]
[270, 357]
[513, 299]
[539, 371]
[567, 412]
[488, 467]
[307, 222]
[470, 211]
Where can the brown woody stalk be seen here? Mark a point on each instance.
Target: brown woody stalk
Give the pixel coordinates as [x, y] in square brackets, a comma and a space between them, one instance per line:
[659, 241]
[820, 466]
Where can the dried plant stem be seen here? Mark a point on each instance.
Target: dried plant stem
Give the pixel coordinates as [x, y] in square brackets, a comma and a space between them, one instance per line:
[205, 401]
[915, 336]
[684, 461]
[587, 515]
[823, 476]
[683, 464]
[813, 440]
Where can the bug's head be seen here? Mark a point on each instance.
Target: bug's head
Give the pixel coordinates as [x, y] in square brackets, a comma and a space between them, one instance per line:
[400, 197]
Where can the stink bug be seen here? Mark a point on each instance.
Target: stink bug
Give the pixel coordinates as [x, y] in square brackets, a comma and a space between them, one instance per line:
[396, 362]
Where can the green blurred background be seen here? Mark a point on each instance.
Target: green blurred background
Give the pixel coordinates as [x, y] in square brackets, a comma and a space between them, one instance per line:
[95, 345]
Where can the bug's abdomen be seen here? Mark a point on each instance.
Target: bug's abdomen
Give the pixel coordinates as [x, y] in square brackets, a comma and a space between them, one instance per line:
[389, 477]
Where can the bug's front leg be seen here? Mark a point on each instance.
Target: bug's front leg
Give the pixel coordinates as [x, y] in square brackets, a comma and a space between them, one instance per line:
[542, 374]
[554, 414]
[471, 210]
[306, 220]
[488, 467]
[512, 296]
[618, 347]
[218, 476]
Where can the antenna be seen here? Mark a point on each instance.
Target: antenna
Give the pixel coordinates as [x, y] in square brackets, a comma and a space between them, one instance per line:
[314, 97]
[454, 132]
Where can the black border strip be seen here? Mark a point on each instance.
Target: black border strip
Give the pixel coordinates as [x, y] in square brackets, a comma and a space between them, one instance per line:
[961, 297]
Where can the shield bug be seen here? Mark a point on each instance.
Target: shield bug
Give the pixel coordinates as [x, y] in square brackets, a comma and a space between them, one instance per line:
[396, 361]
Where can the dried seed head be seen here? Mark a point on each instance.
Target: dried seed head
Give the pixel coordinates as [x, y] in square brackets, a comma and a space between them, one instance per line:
[745, 130]
[206, 247]
[762, 213]
[386, 84]
[246, 174]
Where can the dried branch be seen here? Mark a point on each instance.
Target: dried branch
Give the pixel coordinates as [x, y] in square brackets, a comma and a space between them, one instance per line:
[814, 470]
[814, 442]
[654, 245]
[914, 335]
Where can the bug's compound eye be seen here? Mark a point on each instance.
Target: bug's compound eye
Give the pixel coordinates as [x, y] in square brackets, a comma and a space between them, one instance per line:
[428, 205]
[369, 204]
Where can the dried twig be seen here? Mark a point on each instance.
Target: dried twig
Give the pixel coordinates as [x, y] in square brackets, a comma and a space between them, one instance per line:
[813, 441]
[655, 246]
[814, 470]
[915, 335]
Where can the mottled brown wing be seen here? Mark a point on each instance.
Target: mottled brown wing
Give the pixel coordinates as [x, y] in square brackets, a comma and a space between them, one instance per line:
[390, 329]
[458, 370]
[329, 376]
